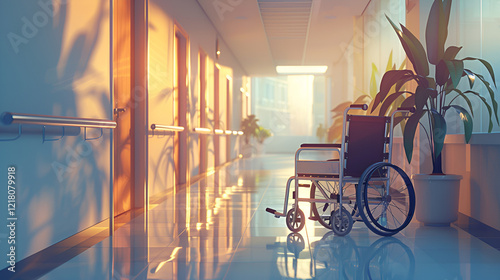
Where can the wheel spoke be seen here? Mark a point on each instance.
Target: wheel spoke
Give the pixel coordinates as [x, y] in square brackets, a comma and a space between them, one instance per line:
[402, 212]
[394, 219]
[399, 211]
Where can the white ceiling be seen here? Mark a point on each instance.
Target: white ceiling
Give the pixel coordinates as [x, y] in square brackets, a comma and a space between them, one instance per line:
[265, 33]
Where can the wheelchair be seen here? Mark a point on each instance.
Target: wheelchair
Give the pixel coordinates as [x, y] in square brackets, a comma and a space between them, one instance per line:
[360, 184]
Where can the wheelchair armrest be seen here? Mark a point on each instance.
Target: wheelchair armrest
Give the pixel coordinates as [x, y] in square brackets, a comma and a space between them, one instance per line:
[320, 145]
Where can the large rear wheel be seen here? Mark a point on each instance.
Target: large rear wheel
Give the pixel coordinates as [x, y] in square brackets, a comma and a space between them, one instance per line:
[385, 198]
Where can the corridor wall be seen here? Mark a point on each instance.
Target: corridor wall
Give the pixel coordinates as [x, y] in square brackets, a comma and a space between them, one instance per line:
[164, 18]
[54, 61]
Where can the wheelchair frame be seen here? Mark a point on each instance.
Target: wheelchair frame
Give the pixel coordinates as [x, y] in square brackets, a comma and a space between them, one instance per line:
[335, 171]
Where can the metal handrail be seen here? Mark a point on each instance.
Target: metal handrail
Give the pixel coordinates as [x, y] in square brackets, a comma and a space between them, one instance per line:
[16, 118]
[166, 127]
[202, 130]
[45, 120]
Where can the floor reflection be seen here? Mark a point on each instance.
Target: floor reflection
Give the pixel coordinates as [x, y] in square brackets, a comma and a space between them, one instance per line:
[218, 228]
[386, 258]
[335, 257]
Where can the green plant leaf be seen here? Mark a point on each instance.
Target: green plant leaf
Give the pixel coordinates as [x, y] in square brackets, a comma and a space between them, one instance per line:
[389, 101]
[488, 107]
[418, 52]
[467, 120]
[431, 82]
[389, 79]
[438, 131]
[399, 33]
[490, 69]
[442, 73]
[396, 104]
[492, 95]
[390, 65]
[362, 99]
[447, 9]
[402, 66]
[335, 131]
[421, 96]
[409, 134]
[372, 108]
[413, 49]
[456, 69]
[398, 119]
[373, 81]
[451, 52]
[436, 32]
[471, 77]
[405, 80]
[487, 65]
[409, 102]
[461, 94]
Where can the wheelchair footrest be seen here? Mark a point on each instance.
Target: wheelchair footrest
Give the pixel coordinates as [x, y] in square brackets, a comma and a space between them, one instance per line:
[275, 213]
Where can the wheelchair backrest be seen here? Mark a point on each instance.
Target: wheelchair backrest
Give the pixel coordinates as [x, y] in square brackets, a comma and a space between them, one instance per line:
[365, 143]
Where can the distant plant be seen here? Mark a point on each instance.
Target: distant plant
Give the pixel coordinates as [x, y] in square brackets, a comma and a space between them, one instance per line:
[249, 127]
[321, 132]
[262, 134]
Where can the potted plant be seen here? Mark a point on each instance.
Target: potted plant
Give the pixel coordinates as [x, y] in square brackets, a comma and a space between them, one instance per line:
[433, 96]
[249, 127]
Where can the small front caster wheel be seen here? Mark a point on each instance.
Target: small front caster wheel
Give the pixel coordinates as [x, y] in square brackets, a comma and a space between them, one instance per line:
[341, 222]
[295, 222]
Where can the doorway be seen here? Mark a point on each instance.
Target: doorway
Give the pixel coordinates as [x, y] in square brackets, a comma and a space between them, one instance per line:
[217, 116]
[229, 115]
[181, 106]
[203, 113]
[123, 109]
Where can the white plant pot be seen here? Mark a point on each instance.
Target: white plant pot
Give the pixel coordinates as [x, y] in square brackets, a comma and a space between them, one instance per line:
[436, 198]
[260, 149]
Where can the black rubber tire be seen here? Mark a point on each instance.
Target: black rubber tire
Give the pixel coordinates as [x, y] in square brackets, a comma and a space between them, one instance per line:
[392, 212]
[341, 222]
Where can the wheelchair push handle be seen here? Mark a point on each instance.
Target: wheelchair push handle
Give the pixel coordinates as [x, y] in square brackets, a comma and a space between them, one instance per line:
[409, 109]
[403, 110]
[359, 106]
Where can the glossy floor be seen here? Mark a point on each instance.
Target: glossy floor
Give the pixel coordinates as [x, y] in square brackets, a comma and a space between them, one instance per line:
[218, 229]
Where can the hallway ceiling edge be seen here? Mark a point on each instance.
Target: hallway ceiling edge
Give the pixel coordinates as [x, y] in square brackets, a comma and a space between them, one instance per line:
[263, 34]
